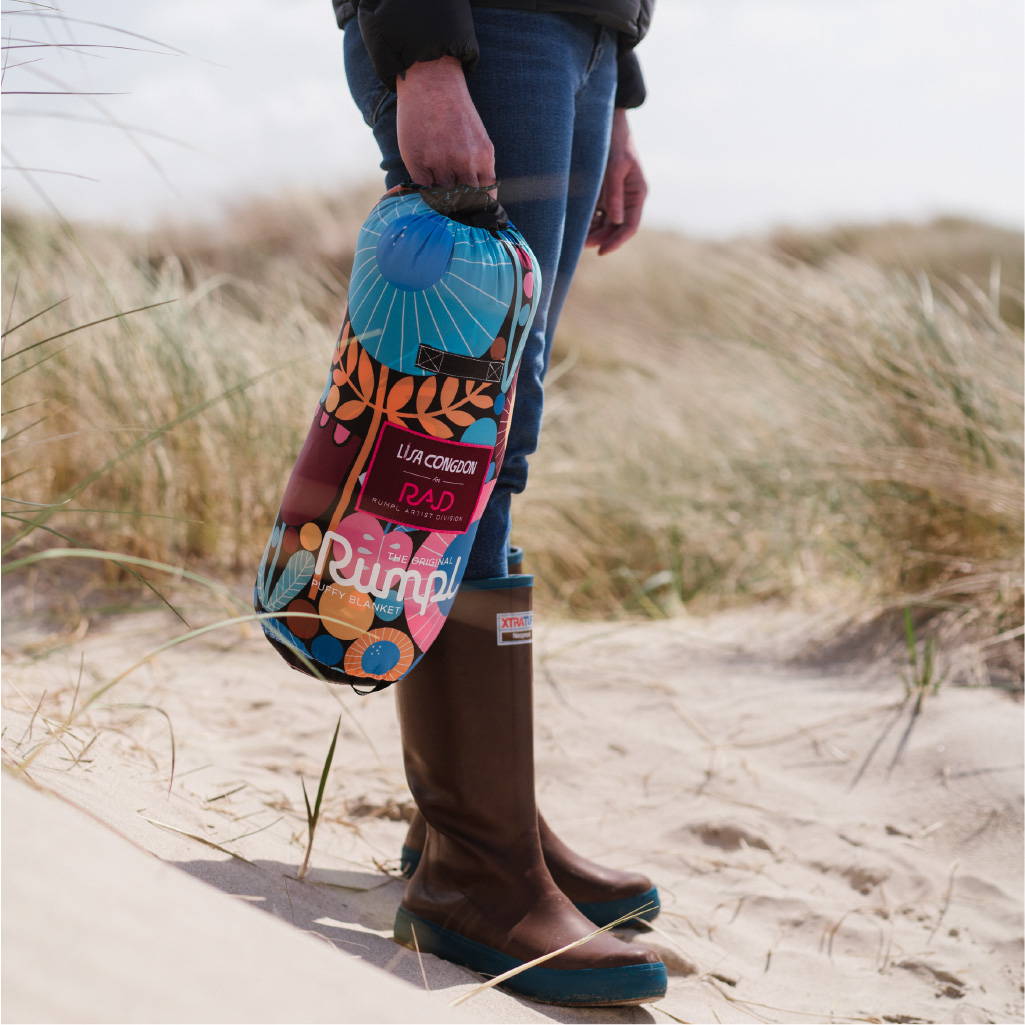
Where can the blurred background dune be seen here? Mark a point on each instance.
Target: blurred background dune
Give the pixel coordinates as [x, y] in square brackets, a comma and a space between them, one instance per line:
[828, 418]
[825, 416]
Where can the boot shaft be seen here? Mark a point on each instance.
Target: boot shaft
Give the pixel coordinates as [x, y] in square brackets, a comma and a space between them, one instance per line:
[466, 714]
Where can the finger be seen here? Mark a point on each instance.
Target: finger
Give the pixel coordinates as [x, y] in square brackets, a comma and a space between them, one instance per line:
[615, 201]
[419, 173]
[619, 234]
[442, 174]
[622, 233]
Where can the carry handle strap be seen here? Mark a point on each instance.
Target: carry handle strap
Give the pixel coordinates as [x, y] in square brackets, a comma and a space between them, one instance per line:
[468, 204]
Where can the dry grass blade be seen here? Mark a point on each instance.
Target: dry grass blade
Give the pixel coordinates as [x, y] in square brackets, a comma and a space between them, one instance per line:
[419, 956]
[513, 972]
[170, 730]
[313, 814]
[28, 320]
[195, 836]
[145, 440]
[670, 1015]
[148, 584]
[82, 327]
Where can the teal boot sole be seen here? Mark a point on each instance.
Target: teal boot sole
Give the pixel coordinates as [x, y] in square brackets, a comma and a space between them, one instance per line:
[599, 912]
[574, 987]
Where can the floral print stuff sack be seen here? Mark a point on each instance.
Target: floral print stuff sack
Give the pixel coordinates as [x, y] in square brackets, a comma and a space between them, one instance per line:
[382, 506]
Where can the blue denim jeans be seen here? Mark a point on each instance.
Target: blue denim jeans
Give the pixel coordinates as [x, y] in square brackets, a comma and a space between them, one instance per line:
[544, 87]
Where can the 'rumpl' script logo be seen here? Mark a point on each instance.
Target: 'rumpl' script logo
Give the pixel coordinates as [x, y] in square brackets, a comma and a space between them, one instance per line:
[375, 579]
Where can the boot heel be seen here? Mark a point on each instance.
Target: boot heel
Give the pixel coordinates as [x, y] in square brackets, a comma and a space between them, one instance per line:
[575, 987]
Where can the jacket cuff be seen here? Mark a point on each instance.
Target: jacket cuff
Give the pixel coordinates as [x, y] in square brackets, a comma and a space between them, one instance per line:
[630, 90]
[398, 33]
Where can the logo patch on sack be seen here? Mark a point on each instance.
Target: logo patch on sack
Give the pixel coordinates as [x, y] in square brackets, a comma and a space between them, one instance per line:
[515, 627]
[421, 481]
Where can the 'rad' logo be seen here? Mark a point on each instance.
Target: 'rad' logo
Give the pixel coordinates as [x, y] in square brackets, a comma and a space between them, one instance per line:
[416, 496]
[515, 627]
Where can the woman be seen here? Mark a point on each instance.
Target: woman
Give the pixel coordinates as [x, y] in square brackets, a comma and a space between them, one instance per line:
[461, 94]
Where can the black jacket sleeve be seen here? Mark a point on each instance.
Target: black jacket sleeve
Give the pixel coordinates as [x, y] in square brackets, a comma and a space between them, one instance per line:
[399, 33]
[630, 89]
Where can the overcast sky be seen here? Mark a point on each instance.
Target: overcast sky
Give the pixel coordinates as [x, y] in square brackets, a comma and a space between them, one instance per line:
[760, 112]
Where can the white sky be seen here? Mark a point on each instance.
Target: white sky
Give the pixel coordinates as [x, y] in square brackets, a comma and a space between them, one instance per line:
[760, 112]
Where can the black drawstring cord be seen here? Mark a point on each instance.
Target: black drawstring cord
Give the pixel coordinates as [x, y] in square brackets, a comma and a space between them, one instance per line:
[448, 193]
[469, 204]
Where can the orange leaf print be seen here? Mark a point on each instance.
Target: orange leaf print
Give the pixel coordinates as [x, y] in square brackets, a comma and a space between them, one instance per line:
[351, 409]
[448, 390]
[352, 350]
[426, 394]
[399, 395]
[479, 398]
[432, 425]
[461, 418]
[366, 376]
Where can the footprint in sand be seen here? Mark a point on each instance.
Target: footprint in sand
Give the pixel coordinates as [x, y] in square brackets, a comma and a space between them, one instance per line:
[727, 835]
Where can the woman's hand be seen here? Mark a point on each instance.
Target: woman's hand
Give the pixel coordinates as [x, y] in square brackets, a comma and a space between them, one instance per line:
[442, 139]
[618, 210]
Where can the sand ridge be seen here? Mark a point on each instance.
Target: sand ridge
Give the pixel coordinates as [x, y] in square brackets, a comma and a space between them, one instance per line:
[673, 747]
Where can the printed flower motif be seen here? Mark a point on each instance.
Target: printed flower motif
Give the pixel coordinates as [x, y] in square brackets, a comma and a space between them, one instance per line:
[383, 654]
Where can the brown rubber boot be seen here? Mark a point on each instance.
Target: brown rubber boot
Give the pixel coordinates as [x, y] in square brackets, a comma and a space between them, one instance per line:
[482, 895]
[602, 894]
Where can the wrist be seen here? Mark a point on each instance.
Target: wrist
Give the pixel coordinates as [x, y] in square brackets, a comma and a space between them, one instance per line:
[620, 126]
[441, 70]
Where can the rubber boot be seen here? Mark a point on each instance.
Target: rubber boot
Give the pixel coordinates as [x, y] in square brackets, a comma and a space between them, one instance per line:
[482, 895]
[602, 894]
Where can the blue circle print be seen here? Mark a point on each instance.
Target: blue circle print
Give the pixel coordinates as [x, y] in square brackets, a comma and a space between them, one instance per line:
[327, 649]
[481, 432]
[421, 278]
[413, 251]
[380, 657]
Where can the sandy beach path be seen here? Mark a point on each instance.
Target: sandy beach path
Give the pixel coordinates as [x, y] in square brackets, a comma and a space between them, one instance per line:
[681, 748]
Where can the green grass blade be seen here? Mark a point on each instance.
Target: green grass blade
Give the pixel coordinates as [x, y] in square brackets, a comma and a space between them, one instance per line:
[135, 573]
[326, 769]
[28, 320]
[82, 327]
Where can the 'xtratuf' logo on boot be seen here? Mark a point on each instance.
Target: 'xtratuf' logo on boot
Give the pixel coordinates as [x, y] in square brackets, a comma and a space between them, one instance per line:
[515, 627]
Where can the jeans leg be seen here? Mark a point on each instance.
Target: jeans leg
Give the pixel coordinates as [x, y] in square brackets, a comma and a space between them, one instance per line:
[544, 87]
[551, 200]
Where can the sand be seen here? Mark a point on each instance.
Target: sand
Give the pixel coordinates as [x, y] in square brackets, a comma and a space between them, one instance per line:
[690, 749]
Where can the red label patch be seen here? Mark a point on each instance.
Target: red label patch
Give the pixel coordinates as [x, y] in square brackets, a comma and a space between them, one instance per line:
[421, 481]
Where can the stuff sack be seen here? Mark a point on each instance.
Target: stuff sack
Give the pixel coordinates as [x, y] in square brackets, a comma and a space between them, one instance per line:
[382, 505]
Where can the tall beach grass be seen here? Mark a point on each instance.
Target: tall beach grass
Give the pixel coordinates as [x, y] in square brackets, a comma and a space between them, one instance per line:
[831, 419]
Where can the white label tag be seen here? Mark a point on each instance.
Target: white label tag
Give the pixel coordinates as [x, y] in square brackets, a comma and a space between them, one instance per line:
[515, 627]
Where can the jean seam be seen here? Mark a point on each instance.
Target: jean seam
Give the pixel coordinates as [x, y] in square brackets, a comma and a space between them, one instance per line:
[597, 50]
[379, 107]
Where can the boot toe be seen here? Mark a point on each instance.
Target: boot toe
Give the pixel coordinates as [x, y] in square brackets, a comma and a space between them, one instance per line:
[643, 905]
[626, 974]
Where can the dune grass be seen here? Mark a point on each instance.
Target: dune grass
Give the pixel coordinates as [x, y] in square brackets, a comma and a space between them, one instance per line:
[830, 419]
